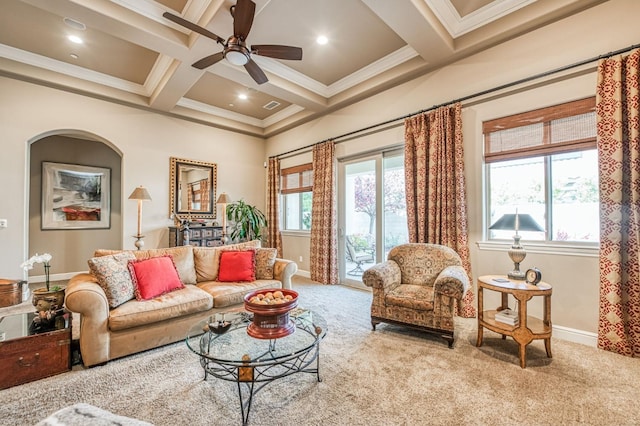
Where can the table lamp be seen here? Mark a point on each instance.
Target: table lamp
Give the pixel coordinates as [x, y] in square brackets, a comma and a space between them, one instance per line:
[517, 222]
[223, 200]
[140, 194]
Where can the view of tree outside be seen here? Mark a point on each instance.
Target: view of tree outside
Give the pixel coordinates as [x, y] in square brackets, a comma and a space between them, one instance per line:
[362, 186]
[520, 184]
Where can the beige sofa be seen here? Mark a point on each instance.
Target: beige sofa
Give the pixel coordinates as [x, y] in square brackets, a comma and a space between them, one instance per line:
[108, 333]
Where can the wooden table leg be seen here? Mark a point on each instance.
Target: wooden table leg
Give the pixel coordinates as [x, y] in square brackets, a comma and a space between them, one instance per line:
[547, 322]
[523, 355]
[480, 316]
[547, 347]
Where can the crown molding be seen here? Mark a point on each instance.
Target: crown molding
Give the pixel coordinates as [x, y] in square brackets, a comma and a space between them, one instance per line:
[457, 25]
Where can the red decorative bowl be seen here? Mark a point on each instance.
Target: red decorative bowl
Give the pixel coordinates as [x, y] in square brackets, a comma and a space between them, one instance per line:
[270, 321]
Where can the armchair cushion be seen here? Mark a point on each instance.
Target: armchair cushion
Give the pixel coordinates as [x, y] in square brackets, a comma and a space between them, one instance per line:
[411, 296]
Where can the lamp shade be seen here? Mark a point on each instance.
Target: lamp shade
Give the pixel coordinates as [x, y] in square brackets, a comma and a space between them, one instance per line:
[223, 199]
[524, 222]
[140, 193]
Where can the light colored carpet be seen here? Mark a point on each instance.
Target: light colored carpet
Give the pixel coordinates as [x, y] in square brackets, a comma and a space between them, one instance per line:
[392, 376]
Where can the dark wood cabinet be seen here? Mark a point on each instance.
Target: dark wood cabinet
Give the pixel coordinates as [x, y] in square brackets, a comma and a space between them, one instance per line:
[201, 236]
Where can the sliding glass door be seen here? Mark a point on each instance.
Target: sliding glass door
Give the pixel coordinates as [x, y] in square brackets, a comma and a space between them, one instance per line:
[370, 188]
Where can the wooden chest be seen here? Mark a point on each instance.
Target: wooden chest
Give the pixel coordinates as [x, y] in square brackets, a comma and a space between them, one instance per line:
[10, 292]
[35, 356]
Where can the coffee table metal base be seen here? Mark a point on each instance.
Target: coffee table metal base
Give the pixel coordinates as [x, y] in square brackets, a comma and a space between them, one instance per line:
[253, 378]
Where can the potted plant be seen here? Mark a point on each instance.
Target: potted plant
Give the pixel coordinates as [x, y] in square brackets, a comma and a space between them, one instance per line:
[45, 298]
[248, 221]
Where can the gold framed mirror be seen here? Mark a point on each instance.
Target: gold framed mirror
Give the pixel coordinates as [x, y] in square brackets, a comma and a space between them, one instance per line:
[193, 189]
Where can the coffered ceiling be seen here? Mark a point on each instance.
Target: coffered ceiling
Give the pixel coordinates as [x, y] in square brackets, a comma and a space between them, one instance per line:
[133, 55]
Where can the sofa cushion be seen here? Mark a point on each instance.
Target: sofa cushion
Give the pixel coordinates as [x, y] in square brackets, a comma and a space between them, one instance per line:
[154, 277]
[228, 294]
[187, 300]
[237, 266]
[182, 258]
[207, 259]
[265, 260]
[114, 277]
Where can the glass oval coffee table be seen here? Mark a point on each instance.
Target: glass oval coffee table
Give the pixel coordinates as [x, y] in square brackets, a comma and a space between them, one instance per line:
[253, 363]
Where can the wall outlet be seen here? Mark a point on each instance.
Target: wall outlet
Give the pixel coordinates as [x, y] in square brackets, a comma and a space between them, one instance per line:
[300, 259]
[3, 223]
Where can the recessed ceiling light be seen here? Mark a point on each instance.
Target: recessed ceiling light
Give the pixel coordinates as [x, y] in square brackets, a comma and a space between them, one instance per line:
[76, 25]
[74, 56]
[322, 40]
[74, 39]
[242, 96]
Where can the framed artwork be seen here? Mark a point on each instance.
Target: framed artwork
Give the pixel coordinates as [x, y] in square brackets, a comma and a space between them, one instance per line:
[75, 196]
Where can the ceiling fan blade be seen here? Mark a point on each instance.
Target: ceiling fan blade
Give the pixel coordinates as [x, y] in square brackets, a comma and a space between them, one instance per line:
[255, 72]
[193, 27]
[277, 51]
[207, 61]
[243, 18]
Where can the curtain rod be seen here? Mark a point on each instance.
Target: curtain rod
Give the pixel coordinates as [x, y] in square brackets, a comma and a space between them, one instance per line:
[466, 98]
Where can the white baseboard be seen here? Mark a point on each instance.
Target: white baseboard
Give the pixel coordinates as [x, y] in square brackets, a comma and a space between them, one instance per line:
[304, 273]
[54, 277]
[576, 336]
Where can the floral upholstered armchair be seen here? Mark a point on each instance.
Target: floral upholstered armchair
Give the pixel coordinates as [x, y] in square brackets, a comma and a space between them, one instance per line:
[418, 286]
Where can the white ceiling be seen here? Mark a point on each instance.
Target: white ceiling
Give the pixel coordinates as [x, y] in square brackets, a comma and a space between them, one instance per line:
[133, 55]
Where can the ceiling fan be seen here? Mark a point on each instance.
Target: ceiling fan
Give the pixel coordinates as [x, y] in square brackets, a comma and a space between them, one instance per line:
[235, 49]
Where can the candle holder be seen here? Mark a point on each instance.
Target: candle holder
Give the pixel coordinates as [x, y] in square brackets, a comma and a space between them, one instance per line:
[139, 241]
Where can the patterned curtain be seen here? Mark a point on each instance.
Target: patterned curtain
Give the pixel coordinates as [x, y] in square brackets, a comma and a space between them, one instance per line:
[617, 109]
[324, 247]
[435, 186]
[274, 237]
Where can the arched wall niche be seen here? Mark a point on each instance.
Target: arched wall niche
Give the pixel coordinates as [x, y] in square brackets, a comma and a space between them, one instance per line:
[71, 248]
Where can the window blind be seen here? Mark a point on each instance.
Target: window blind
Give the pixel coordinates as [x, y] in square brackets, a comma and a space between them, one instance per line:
[552, 130]
[296, 179]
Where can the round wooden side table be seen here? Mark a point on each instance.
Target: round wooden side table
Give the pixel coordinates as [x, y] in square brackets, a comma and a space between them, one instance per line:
[528, 328]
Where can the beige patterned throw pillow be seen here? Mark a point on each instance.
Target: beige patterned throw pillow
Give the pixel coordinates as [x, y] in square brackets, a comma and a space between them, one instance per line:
[113, 275]
[265, 259]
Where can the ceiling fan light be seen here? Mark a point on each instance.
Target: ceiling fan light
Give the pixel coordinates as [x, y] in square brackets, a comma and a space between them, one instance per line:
[236, 58]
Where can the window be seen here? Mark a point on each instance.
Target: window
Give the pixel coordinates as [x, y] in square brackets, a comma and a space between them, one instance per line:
[296, 189]
[545, 163]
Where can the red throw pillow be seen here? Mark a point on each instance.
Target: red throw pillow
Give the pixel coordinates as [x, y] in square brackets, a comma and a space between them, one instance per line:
[154, 277]
[237, 266]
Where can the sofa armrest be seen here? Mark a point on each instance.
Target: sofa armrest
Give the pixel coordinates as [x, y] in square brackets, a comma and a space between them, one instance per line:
[283, 270]
[385, 275]
[453, 281]
[85, 296]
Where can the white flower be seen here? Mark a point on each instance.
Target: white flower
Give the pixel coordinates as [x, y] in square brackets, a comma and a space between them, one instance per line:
[42, 258]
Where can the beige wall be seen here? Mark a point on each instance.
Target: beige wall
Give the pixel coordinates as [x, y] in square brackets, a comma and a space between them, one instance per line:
[589, 34]
[146, 140]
